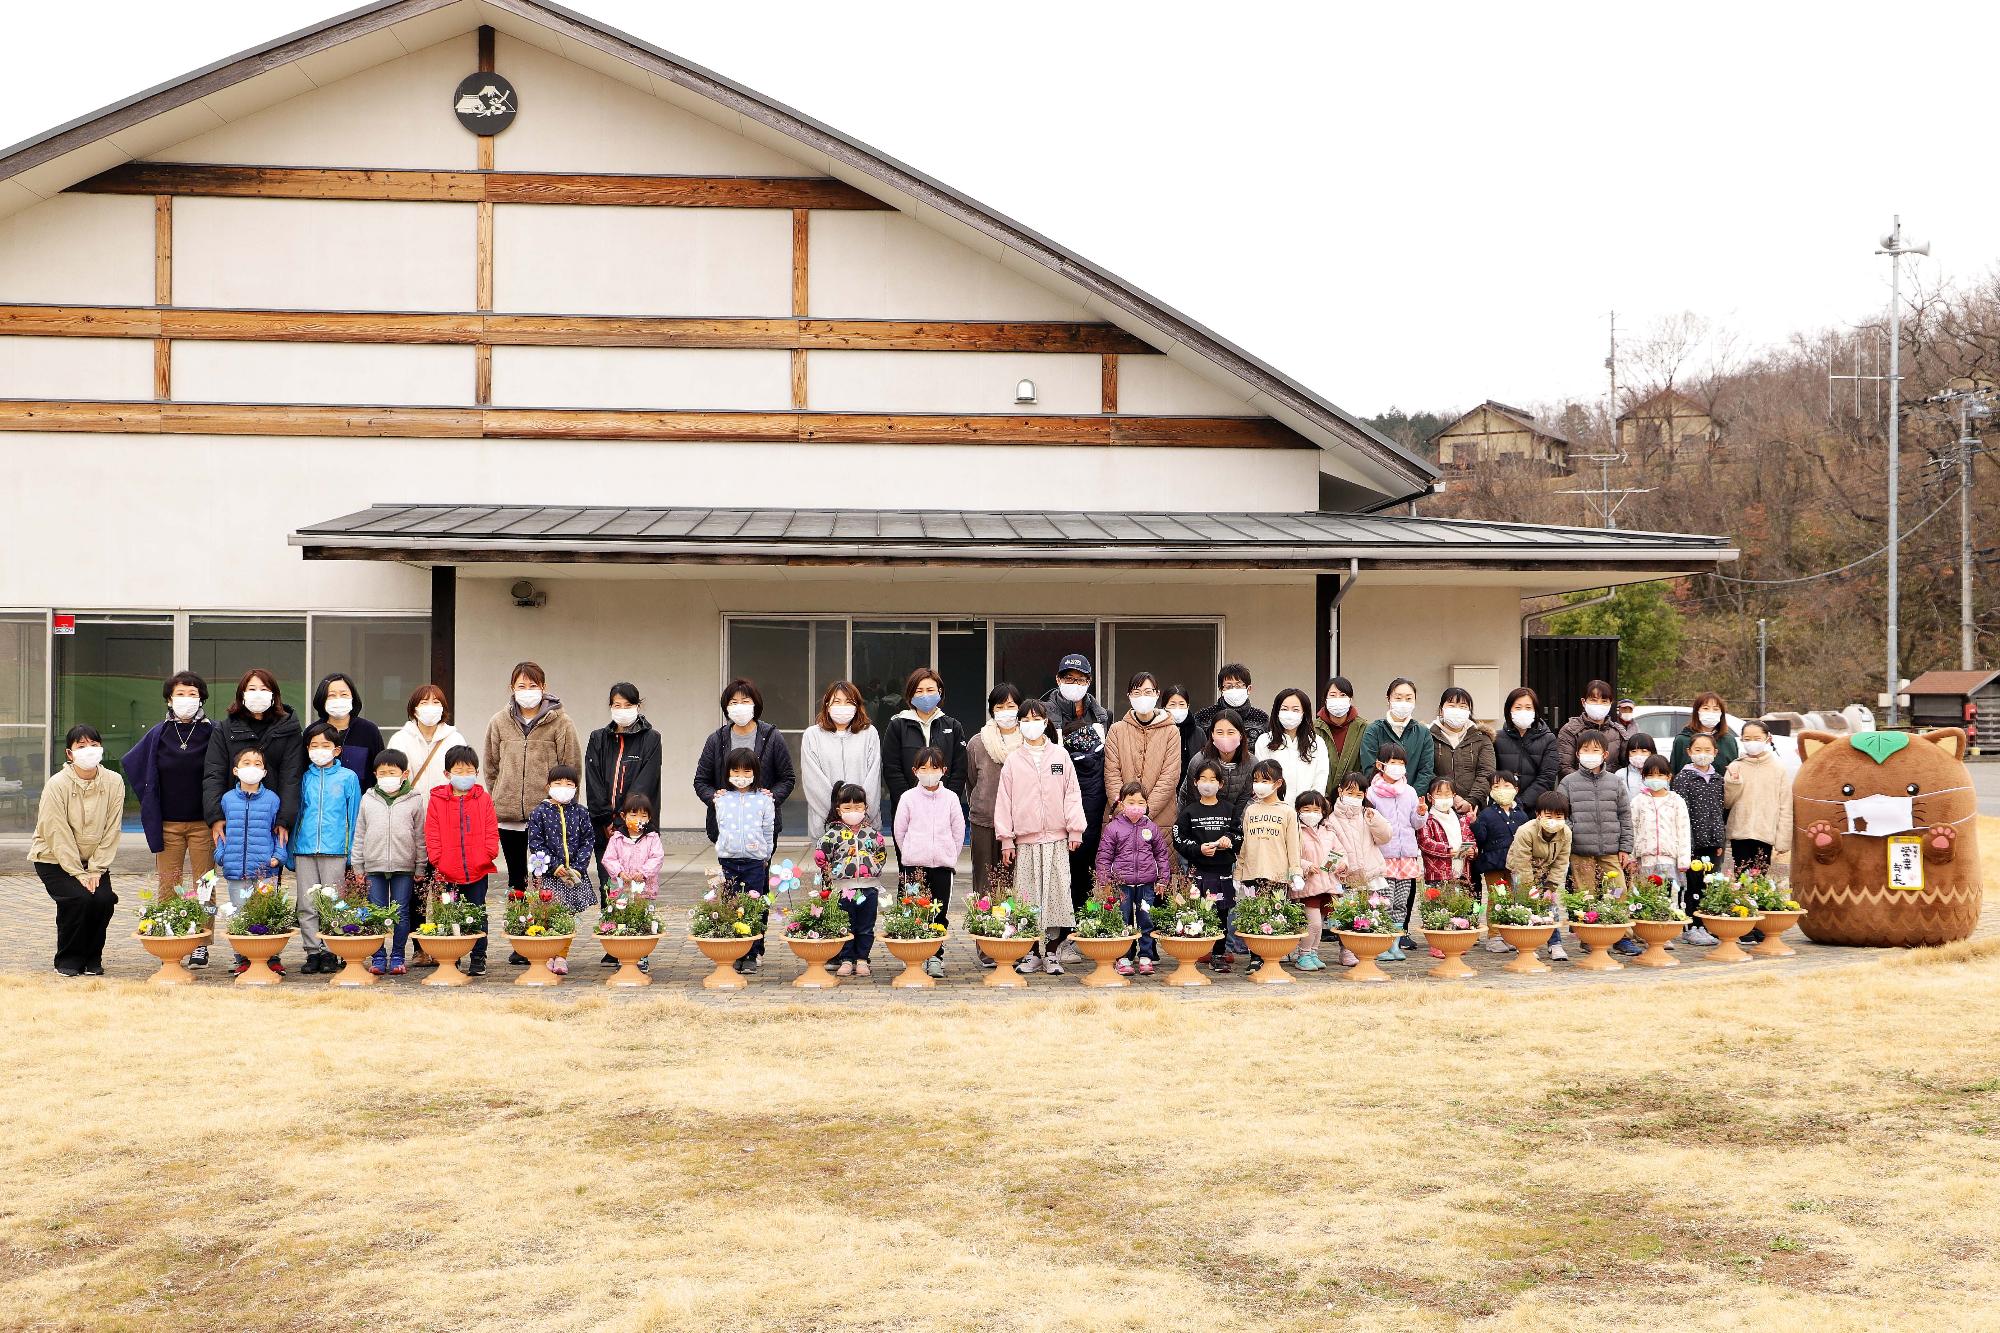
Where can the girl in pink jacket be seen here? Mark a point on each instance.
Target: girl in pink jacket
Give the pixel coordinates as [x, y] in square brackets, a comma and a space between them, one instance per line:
[1038, 817]
[632, 857]
[930, 828]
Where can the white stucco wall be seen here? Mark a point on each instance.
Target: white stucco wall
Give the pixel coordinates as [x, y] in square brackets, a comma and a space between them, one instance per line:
[889, 266]
[84, 249]
[71, 368]
[952, 382]
[359, 373]
[1158, 385]
[666, 378]
[322, 254]
[1423, 631]
[588, 260]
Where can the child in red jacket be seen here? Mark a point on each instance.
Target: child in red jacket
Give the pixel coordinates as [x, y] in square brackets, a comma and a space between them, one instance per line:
[1445, 839]
[462, 836]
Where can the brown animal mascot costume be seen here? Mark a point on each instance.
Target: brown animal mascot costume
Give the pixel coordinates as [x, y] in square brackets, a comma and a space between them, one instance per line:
[1885, 849]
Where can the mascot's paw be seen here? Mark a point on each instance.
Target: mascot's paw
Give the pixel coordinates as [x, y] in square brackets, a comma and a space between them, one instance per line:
[1825, 841]
[1938, 842]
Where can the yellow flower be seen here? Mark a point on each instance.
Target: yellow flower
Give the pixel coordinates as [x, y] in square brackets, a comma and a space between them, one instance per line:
[146, 894]
[535, 930]
[938, 926]
[741, 928]
[1739, 910]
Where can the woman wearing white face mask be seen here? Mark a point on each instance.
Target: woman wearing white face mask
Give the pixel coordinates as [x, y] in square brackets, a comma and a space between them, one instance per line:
[164, 770]
[524, 740]
[257, 719]
[1179, 704]
[425, 738]
[1340, 727]
[1401, 727]
[76, 839]
[744, 728]
[1144, 746]
[1464, 751]
[840, 747]
[1295, 744]
[985, 755]
[620, 759]
[1709, 717]
[337, 702]
[1526, 746]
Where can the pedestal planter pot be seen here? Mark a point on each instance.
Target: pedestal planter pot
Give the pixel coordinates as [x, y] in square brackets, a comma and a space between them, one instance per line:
[816, 954]
[1655, 935]
[1187, 951]
[355, 951]
[1366, 948]
[538, 949]
[911, 954]
[260, 950]
[1272, 949]
[1454, 945]
[628, 950]
[448, 949]
[1104, 951]
[1525, 939]
[1727, 930]
[723, 950]
[172, 951]
[1006, 953]
[1773, 925]
[1600, 938]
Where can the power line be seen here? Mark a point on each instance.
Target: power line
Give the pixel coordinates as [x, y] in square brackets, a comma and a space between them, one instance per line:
[1827, 574]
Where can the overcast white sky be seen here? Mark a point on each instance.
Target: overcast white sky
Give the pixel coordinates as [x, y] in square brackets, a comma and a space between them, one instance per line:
[1401, 205]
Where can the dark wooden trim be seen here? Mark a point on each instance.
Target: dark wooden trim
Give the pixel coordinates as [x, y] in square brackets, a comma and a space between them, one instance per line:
[486, 44]
[471, 327]
[471, 187]
[1325, 668]
[1107, 389]
[163, 291]
[801, 296]
[444, 634]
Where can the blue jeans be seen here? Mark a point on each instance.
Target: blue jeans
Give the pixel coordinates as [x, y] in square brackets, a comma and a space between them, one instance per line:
[1136, 901]
[861, 914]
[474, 892]
[394, 886]
[751, 875]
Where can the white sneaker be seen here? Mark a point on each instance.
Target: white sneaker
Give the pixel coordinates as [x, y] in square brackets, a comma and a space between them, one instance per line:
[1557, 954]
[1699, 935]
[1029, 963]
[1053, 966]
[1068, 953]
[934, 966]
[1494, 944]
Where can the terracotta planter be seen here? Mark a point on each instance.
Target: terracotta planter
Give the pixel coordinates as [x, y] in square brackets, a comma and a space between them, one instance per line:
[722, 950]
[1773, 925]
[1525, 939]
[816, 954]
[171, 950]
[1728, 930]
[1454, 945]
[355, 951]
[628, 950]
[1272, 949]
[1188, 951]
[1600, 938]
[911, 954]
[538, 949]
[448, 949]
[1006, 953]
[1104, 951]
[1366, 949]
[260, 950]
[1654, 935]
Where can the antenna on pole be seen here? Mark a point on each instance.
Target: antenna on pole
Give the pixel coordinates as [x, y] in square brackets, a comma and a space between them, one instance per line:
[1606, 499]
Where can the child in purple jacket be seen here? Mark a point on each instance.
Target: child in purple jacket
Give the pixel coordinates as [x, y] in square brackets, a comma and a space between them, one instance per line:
[1394, 799]
[1132, 854]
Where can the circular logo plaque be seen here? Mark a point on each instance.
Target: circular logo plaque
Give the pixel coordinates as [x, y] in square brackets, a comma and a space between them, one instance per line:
[484, 103]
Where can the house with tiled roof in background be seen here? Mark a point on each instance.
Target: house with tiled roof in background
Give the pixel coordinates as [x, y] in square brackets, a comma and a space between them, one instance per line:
[1496, 433]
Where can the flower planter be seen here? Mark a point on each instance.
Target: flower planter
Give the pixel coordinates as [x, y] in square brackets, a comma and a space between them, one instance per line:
[1727, 930]
[723, 950]
[911, 954]
[447, 950]
[260, 950]
[1366, 947]
[1272, 949]
[1525, 939]
[1454, 945]
[1600, 938]
[816, 954]
[628, 950]
[1655, 935]
[1006, 953]
[355, 951]
[171, 950]
[1104, 951]
[1773, 925]
[538, 949]
[1188, 951]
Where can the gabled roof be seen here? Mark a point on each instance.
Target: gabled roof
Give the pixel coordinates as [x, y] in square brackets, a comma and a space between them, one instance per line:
[160, 116]
[1520, 416]
[1663, 397]
[1952, 682]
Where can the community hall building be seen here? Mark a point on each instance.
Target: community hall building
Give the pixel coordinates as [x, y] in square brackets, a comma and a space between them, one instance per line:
[448, 333]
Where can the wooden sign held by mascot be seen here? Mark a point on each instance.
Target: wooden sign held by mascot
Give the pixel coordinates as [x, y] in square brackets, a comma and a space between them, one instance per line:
[1885, 847]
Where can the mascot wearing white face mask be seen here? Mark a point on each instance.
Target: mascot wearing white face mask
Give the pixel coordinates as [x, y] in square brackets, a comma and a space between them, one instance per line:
[1885, 848]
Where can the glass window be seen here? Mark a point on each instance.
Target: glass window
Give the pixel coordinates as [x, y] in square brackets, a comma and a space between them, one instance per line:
[1025, 654]
[829, 655]
[775, 655]
[109, 674]
[388, 656]
[24, 723]
[222, 648]
[885, 653]
[1177, 654]
[961, 650]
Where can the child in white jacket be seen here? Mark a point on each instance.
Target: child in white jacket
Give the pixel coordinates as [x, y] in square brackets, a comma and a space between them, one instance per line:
[1661, 841]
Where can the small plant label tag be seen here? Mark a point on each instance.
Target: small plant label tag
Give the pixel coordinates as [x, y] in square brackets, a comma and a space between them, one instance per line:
[1906, 863]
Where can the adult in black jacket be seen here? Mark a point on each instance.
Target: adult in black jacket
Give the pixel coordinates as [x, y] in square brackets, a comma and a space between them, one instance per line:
[620, 760]
[1081, 723]
[1527, 752]
[257, 719]
[921, 721]
[1234, 765]
[1233, 684]
[337, 702]
[743, 705]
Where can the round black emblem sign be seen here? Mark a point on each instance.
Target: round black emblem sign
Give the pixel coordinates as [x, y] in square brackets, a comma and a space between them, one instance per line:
[484, 103]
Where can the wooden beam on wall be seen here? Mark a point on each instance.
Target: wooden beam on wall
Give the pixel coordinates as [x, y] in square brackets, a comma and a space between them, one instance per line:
[163, 291]
[471, 187]
[486, 43]
[482, 284]
[1107, 390]
[801, 297]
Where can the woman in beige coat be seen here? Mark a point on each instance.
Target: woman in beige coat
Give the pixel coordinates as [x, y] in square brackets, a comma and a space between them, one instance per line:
[1144, 746]
[527, 738]
[76, 839]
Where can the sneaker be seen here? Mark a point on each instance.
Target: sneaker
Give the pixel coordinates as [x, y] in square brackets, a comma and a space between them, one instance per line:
[1030, 963]
[645, 964]
[1394, 953]
[861, 968]
[985, 961]
[559, 965]
[396, 969]
[1557, 954]
[1145, 967]
[752, 964]
[1122, 968]
[934, 966]
[1630, 948]
[1219, 962]
[1699, 936]
[607, 961]
[377, 969]
[1405, 942]
[1672, 945]
[1494, 944]
[1437, 953]
[517, 960]
[846, 969]
[741, 965]
[476, 968]
[277, 967]
[1347, 958]
[93, 969]
[1068, 953]
[1053, 964]
[242, 965]
[1309, 962]
[1327, 935]
[199, 958]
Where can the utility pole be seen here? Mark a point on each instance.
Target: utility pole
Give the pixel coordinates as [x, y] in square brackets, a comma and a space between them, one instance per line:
[1973, 405]
[1763, 699]
[1894, 246]
[1606, 499]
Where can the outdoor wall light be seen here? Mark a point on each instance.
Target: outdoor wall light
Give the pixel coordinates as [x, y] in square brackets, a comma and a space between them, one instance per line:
[1024, 392]
[525, 593]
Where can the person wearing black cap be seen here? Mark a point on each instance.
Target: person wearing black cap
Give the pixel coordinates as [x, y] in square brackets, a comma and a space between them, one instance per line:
[1081, 723]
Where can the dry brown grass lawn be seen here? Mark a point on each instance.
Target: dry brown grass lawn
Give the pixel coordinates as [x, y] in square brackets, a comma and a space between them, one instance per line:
[1806, 1150]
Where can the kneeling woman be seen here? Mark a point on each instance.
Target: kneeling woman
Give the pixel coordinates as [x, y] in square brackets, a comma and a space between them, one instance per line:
[76, 839]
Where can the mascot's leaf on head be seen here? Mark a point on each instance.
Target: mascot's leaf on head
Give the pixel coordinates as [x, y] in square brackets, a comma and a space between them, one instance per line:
[1885, 847]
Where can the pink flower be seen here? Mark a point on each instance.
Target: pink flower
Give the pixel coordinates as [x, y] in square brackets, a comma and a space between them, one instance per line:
[1267, 928]
[1363, 923]
[1590, 917]
[817, 909]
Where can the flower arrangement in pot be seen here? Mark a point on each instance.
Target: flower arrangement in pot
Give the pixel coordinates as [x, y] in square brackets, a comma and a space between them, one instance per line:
[1102, 936]
[1524, 917]
[1006, 928]
[1600, 920]
[629, 929]
[1451, 926]
[1367, 927]
[453, 924]
[540, 927]
[816, 926]
[352, 928]
[173, 924]
[259, 930]
[1186, 927]
[1729, 910]
[729, 919]
[1778, 912]
[913, 930]
[1272, 924]
[1656, 922]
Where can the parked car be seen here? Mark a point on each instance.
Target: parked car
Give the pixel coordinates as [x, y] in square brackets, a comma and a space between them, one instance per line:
[1663, 722]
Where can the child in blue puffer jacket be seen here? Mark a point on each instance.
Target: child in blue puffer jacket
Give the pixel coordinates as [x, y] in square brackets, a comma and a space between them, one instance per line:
[249, 850]
[323, 839]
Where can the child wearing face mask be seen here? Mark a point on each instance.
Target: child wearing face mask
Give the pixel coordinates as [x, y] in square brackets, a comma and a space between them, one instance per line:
[389, 850]
[1445, 840]
[1320, 858]
[1206, 836]
[850, 855]
[1270, 860]
[1638, 750]
[1132, 853]
[1699, 785]
[1359, 833]
[1757, 792]
[1597, 718]
[1295, 744]
[746, 832]
[1540, 858]
[1600, 814]
[559, 831]
[462, 837]
[632, 855]
[1494, 829]
[1396, 801]
[1039, 817]
[248, 851]
[930, 828]
[1662, 841]
[323, 840]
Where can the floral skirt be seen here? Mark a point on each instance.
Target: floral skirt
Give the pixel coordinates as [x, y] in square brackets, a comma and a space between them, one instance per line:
[1041, 880]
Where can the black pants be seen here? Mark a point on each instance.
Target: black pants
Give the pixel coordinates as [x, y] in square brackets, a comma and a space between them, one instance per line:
[1083, 863]
[1691, 882]
[82, 916]
[937, 883]
[514, 847]
[1221, 882]
[1749, 854]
